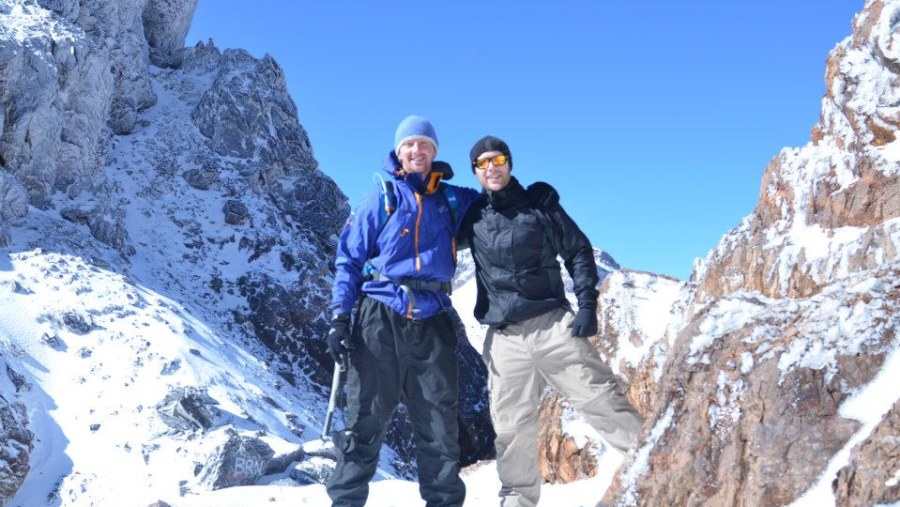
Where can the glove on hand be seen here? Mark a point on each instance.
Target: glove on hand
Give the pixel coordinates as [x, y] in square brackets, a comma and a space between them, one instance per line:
[585, 324]
[339, 337]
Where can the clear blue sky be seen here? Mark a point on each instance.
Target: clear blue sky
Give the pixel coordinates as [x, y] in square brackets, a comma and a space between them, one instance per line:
[653, 119]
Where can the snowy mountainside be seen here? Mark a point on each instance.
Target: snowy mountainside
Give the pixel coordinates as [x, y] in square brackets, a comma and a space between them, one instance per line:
[197, 251]
[164, 300]
[165, 243]
[99, 352]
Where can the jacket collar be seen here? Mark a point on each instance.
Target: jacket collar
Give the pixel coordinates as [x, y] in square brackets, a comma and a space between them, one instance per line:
[430, 183]
[512, 194]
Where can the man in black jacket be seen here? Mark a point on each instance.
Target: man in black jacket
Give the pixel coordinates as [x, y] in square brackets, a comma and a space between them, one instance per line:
[534, 338]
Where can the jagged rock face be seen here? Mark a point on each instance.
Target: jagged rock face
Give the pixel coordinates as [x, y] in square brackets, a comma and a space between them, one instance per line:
[13, 205]
[276, 214]
[247, 114]
[67, 91]
[829, 209]
[242, 234]
[560, 458]
[16, 440]
[166, 24]
[639, 315]
[290, 321]
[56, 100]
[249, 95]
[872, 476]
[793, 312]
[747, 411]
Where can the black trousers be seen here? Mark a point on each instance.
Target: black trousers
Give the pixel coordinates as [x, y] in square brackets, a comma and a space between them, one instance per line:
[416, 359]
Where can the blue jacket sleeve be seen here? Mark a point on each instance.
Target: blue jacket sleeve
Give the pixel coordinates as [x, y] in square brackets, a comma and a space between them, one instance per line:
[355, 246]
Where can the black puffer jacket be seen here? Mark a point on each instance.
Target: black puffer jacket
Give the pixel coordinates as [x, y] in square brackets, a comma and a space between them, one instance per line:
[515, 236]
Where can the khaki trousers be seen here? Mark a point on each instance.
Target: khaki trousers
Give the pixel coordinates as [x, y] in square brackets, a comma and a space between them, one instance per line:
[522, 359]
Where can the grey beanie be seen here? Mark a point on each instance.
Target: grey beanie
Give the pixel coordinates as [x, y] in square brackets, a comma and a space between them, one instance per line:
[414, 127]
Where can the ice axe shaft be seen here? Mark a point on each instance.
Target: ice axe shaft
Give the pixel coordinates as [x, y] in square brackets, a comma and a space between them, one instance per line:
[339, 368]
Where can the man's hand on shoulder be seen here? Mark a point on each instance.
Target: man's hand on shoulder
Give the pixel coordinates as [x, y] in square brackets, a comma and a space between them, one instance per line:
[543, 194]
[439, 166]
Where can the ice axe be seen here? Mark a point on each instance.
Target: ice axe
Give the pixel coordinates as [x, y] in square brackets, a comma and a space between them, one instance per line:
[324, 445]
[339, 368]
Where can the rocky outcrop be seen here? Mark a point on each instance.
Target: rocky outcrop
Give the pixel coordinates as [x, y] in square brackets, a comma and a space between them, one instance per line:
[187, 409]
[166, 24]
[68, 90]
[748, 407]
[828, 209]
[16, 440]
[250, 95]
[789, 317]
[873, 475]
[13, 205]
[639, 315]
[240, 461]
[562, 459]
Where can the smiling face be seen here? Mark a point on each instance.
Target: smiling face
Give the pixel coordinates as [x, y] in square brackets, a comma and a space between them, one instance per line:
[492, 177]
[416, 155]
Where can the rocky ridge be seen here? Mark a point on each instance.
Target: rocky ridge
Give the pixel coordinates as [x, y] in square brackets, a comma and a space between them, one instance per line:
[752, 392]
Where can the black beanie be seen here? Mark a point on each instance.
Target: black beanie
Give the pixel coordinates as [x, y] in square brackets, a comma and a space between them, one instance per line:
[486, 144]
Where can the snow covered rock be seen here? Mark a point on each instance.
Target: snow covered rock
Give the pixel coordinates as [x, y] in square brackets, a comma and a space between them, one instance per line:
[832, 207]
[166, 24]
[752, 390]
[773, 385]
[241, 461]
[187, 409]
[16, 439]
[873, 474]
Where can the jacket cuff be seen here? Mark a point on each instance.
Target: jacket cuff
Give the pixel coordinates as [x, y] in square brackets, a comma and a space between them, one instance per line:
[341, 308]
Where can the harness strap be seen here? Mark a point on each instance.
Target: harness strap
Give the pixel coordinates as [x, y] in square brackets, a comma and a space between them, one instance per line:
[412, 283]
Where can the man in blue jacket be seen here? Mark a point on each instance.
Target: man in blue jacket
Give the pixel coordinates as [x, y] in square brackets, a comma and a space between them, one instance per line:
[402, 343]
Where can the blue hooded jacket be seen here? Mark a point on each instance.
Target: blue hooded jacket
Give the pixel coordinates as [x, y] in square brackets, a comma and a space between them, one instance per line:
[418, 241]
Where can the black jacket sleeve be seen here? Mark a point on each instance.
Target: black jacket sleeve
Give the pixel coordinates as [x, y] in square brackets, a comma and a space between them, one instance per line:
[571, 244]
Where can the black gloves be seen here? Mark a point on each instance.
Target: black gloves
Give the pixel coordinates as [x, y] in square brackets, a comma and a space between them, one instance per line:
[339, 338]
[585, 324]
